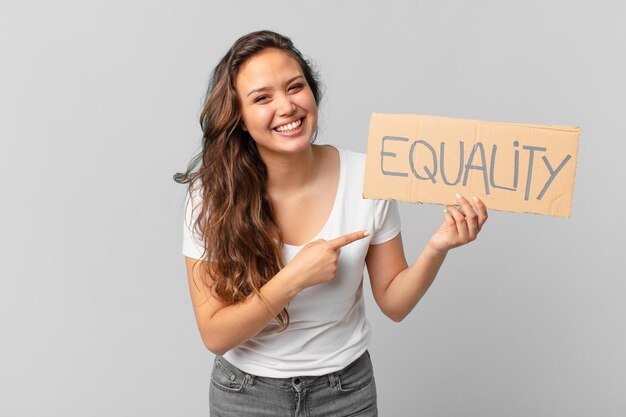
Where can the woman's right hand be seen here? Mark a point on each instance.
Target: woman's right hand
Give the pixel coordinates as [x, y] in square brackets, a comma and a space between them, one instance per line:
[316, 263]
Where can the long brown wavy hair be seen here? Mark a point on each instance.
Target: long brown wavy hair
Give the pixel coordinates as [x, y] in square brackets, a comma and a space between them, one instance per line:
[235, 218]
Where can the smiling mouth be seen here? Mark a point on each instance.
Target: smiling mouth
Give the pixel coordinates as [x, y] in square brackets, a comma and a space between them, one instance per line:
[290, 127]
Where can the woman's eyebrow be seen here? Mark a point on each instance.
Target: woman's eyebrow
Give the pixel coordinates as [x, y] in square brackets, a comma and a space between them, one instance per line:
[267, 88]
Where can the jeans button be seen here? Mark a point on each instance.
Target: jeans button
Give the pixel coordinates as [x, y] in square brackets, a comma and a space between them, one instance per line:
[296, 381]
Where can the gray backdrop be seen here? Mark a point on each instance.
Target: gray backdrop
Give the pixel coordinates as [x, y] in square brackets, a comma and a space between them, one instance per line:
[99, 104]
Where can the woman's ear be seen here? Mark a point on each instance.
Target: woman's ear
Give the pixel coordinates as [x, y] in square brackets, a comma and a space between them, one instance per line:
[243, 126]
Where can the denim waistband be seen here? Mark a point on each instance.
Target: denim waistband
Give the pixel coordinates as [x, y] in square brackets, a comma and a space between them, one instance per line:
[296, 382]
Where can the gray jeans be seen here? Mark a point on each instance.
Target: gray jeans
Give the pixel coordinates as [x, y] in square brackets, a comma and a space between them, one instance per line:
[348, 392]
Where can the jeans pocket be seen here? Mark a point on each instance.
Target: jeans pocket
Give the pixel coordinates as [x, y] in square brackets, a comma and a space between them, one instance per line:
[356, 376]
[227, 378]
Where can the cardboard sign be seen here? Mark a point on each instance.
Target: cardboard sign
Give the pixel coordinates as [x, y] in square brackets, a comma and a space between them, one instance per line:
[509, 166]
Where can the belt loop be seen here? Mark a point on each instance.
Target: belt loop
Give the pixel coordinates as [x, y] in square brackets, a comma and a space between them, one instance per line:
[333, 379]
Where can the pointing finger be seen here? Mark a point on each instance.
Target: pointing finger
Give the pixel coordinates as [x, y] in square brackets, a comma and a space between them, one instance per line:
[347, 239]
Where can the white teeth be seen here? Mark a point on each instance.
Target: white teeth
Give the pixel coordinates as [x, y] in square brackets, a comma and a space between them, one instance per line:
[289, 127]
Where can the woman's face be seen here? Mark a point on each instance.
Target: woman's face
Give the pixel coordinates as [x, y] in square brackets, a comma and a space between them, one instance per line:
[277, 104]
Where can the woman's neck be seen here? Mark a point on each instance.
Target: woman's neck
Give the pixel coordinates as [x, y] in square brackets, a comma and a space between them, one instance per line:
[290, 174]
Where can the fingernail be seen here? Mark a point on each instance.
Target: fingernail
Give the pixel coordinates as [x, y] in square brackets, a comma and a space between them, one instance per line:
[474, 198]
[366, 233]
[458, 195]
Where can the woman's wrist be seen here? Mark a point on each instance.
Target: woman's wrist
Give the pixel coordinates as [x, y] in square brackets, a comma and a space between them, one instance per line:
[432, 251]
[288, 281]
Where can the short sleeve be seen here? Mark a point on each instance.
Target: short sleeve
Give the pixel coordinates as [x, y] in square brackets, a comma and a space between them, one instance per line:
[192, 241]
[386, 221]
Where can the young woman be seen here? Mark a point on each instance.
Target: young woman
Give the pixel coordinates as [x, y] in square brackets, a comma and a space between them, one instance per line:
[276, 238]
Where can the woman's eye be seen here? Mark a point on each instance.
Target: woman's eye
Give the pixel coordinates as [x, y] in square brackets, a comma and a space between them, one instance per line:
[264, 97]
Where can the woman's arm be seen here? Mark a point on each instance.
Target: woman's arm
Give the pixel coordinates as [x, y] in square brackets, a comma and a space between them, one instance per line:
[222, 326]
[397, 288]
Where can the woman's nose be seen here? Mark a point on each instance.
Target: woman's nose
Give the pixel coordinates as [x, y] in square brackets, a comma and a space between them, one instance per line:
[285, 106]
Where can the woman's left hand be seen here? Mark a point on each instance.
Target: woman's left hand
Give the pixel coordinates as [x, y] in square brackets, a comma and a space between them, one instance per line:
[460, 226]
